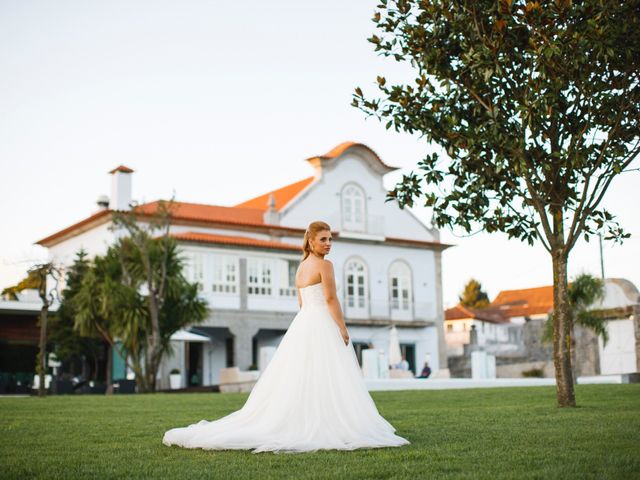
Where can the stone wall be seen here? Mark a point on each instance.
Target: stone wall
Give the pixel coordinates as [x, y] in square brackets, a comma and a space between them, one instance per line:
[515, 370]
[535, 349]
[586, 355]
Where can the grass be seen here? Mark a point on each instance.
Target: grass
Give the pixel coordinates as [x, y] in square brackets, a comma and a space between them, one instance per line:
[480, 433]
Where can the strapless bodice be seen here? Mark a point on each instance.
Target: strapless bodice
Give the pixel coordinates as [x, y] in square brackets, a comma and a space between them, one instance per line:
[312, 295]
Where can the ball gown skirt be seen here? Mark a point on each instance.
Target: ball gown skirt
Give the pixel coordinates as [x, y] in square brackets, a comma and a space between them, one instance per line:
[310, 397]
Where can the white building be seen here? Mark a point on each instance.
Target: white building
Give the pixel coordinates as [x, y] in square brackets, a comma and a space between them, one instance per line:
[493, 332]
[500, 328]
[387, 263]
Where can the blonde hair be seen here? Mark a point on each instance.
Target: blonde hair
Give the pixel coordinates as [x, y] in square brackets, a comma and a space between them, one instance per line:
[310, 233]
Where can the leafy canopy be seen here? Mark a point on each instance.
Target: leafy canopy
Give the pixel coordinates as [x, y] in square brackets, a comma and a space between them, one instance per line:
[585, 291]
[536, 104]
[473, 295]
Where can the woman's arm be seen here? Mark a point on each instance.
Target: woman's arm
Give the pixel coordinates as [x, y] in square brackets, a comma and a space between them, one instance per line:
[329, 290]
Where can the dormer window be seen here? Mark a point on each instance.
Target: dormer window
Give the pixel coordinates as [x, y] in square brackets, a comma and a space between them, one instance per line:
[353, 208]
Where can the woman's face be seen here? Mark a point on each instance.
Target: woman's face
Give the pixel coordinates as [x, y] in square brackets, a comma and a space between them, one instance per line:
[321, 243]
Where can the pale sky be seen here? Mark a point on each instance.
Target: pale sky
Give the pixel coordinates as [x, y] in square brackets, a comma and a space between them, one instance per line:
[217, 102]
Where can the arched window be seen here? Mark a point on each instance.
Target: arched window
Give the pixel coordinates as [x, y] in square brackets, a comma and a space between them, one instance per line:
[356, 286]
[400, 287]
[353, 208]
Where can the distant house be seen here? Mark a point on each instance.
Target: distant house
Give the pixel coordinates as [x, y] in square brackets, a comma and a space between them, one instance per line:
[524, 304]
[506, 326]
[244, 257]
[489, 325]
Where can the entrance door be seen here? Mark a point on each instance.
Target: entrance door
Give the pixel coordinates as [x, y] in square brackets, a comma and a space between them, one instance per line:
[194, 364]
[408, 350]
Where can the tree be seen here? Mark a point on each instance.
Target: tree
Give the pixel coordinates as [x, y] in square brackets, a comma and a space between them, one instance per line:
[136, 292]
[68, 342]
[36, 279]
[473, 296]
[31, 281]
[47, 295]
[97, 305]
[535, 107]
[584, 292]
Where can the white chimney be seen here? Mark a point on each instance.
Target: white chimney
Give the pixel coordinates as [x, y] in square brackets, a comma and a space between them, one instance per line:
[271, 215]
[120, 188]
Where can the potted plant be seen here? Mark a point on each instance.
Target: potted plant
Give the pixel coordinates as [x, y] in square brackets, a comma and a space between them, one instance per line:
[175, 379]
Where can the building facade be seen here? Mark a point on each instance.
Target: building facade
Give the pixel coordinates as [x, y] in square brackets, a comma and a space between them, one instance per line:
[244, 258]
[512, 327]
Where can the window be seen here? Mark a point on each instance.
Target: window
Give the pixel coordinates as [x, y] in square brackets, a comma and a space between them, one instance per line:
[225, 276]
[400, 284]
[194, 271]
[356, 282]
[288, 276]
[259, 273]
[353, 208]
[449, 327]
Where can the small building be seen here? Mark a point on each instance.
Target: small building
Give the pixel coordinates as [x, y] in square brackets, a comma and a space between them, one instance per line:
[511, 327]
[487, 328]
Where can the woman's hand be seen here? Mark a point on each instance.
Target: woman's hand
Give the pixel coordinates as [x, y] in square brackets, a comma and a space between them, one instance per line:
[345, 335]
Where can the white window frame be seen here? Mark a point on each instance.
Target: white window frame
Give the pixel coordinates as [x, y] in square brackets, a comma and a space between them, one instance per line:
[356, 289]
[354, 208]
[400, 289]
[195, 268]
[225, 275]
[288, 269]
[260, 277]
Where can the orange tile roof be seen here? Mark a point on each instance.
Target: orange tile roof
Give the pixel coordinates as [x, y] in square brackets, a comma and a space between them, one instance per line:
[526, 301]
[206, 213]
[98, 217]
[122, 169]
[281, 195]
[343, 147]
[234, 240]
[489, 314]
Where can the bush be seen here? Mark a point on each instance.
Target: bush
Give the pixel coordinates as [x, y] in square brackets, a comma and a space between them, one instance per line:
[534, 372]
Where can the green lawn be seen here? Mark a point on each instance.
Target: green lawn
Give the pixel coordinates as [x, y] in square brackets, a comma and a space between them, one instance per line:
[480, 433]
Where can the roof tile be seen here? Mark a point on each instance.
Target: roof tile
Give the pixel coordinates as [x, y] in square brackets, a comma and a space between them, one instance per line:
[234, 240]
[282, 196]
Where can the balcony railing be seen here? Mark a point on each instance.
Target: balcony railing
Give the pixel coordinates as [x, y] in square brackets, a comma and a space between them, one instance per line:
[383, 309]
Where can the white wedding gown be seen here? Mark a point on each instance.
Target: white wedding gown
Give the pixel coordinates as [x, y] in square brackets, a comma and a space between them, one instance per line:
[310, 397]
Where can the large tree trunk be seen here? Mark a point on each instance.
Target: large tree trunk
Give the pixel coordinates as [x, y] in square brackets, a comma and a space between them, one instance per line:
[42, 354]
[109, 382]
[562, 331]
[154, 345]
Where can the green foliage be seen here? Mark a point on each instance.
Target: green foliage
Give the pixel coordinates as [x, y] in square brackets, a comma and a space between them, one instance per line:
[31, 281]
[534, 107]
[137, 293]
[584, 292]
[536, 104]
[69, 343]
[473, 296]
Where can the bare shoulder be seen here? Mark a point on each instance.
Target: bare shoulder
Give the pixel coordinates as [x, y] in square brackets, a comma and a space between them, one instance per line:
[326, 265]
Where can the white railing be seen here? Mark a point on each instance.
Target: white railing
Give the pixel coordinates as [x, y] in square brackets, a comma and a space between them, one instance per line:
[381, 309]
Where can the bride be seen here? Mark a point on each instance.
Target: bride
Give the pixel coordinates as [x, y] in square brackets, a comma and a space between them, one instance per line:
[311, 396]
